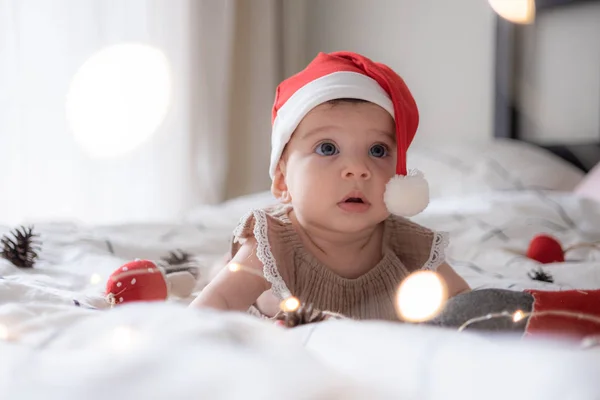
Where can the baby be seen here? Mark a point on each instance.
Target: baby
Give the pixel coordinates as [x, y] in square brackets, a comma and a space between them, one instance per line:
[339, 239]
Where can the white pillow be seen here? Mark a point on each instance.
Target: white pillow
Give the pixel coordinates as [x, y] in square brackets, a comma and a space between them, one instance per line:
[227, 214]
[494, 165]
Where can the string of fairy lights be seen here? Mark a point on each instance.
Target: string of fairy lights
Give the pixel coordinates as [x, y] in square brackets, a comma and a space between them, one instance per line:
[420, 297]
[519, 315]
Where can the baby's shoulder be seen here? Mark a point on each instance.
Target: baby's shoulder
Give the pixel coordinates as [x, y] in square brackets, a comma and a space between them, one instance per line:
[274, 241]
[274, 217]
[400, 226]
[417, 246]
[268, 225]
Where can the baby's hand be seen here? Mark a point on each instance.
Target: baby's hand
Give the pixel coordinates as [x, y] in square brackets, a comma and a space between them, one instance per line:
[305, 314]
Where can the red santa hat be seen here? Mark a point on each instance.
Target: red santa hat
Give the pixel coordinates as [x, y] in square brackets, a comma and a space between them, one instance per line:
[349, 75]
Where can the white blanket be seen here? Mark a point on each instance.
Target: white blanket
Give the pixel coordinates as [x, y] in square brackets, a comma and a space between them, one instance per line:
[58, 350]
[490, 235]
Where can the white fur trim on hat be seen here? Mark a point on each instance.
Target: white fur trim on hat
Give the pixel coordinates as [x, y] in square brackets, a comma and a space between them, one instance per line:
[408, 195]
[333, 86]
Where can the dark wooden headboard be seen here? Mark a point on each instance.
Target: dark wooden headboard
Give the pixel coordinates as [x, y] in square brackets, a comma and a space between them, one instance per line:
[506, 111]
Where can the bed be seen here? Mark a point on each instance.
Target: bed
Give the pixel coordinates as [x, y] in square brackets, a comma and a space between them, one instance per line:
[60, 338]
[65, 342]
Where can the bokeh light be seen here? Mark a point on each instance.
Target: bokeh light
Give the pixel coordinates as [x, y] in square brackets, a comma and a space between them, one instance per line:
[421, 296]
[118, 99]
[515, 11]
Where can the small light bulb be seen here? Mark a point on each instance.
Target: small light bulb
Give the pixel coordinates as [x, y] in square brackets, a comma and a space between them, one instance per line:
[290, 304]
[4, 333]
[515, 11]
[590, 341]
[235, 267]
[95, 279]
[420, 296]
[517, 316]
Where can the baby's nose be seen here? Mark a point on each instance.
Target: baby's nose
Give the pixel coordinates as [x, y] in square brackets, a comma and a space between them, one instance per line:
[356, 169]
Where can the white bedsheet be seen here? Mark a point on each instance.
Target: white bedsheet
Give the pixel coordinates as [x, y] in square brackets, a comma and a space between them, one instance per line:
[57, 350]
[490, 235]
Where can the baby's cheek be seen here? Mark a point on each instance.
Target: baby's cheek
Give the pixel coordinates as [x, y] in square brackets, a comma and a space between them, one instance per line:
[386, 166]
[309, 163]
[382, 172]
[305, 183]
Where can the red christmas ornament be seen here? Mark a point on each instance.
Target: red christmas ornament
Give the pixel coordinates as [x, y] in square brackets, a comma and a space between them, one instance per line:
[545, 249]
[139, 280]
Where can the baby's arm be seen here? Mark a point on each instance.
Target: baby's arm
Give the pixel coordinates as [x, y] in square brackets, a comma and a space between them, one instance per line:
[455, 284]
[235, 291]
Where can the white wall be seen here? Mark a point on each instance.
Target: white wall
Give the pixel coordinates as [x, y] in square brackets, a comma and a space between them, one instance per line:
[442, 48]
[560, 82]
[44, 173]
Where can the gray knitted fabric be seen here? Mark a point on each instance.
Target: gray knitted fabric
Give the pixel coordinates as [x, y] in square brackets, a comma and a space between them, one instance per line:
[477, 303]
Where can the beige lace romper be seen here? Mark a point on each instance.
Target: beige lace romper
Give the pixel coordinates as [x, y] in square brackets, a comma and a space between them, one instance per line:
[406, 247]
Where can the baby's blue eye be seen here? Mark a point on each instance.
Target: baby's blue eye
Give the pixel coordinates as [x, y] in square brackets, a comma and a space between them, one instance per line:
[327, 149]
[378, 151]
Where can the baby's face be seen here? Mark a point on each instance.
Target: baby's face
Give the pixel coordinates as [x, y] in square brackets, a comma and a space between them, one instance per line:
[337, 165]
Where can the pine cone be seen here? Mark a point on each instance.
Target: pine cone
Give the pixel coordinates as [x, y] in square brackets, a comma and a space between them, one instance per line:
[302, 316]
[22, 249]
[541, 275]
[175, 258]
[178, 261]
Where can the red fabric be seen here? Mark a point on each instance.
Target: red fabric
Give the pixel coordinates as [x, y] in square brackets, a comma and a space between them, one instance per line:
[545, 249]
[583, 302]
[139, 280]
[405, 107]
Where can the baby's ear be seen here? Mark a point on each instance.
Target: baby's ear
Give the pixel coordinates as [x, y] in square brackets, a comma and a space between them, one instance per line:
[279, 188]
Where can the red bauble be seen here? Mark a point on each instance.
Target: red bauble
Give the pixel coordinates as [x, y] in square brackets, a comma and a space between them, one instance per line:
[545, 249]
[139, 280]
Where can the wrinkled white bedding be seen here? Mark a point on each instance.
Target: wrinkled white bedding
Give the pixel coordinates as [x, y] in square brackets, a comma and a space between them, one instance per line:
[490, 235]
[57, 350]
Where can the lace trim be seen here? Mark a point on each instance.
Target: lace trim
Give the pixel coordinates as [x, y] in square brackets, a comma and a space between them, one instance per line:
[438, 251]
[263, 252]
[241, 227]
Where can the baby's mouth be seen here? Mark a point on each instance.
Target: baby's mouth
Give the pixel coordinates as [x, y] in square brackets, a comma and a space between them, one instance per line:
[355, 203]
[354, 200]
[355, 197]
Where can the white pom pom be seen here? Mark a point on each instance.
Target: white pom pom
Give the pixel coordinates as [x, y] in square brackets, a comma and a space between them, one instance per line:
[408, 195]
